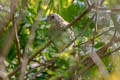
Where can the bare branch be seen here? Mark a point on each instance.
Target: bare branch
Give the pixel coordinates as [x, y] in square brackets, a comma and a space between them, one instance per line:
[28, 44]
[96, 59]
[102, 1]
[11, 34]
[7, 44]
[8, 18]
[82, 14]
[88, 3]
[42, 69]
[16, 40]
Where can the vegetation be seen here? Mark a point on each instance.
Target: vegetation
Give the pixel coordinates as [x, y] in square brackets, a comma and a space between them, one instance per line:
[27, 53]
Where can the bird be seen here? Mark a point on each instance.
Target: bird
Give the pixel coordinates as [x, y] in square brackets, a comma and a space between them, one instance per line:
[60, 38]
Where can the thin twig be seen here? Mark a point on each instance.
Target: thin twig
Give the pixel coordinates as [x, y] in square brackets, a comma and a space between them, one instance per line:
[34, 68]
[42, 69]
[96, 36]
[16, 40]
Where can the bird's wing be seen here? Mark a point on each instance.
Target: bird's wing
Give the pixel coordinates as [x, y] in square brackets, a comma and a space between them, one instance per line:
[69, 31]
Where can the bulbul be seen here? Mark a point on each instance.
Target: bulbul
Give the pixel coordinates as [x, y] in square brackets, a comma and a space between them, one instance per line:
[60, 38]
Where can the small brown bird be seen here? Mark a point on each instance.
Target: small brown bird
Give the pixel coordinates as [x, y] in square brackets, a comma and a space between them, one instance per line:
[57, 26]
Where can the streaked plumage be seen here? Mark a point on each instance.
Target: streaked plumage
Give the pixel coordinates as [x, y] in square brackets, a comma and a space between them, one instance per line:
[57, 25]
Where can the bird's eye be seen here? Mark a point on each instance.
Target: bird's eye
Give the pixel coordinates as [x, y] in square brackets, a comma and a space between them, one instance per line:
[52, 16]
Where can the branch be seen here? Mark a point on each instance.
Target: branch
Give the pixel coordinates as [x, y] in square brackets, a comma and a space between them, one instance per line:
[6, 46]
[27, 52]
[91, 63]
[79, 17]
[88, 2]
[28, 44]
[8, 18]
[31, 70]
[42, 69]
[102, 1]
[16, 40]
[11, 34]
[96, 59]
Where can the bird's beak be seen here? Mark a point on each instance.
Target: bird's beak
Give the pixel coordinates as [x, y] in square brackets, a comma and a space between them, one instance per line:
[44, 19]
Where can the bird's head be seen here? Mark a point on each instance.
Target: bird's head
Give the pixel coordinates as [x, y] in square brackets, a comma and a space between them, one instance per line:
[54, 18]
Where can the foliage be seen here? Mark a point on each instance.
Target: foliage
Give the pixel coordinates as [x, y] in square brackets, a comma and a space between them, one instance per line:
[51, 65]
